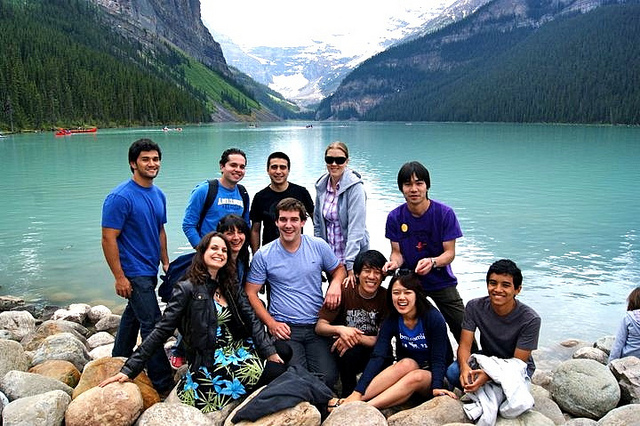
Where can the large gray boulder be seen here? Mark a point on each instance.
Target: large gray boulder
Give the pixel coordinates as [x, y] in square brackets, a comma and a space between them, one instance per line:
[13, 357]
[356, 413]
[436, 411]
[163, 414]
[64, 346]
[20, 323]
[627, 415]
[18, 384]
[46, 409]
[585, 388]
[627, 372]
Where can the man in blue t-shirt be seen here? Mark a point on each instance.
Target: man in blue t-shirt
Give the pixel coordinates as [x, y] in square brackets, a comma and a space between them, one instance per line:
[423, 235]
[228, 199]
[293, 265]
[134, 243]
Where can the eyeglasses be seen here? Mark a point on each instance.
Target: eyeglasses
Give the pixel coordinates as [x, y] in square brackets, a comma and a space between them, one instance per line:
[338, 160]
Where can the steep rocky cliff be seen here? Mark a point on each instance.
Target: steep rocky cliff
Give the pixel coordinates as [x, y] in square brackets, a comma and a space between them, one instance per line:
[176, 22]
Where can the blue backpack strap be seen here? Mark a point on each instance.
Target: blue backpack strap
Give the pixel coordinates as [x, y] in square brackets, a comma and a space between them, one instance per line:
[212, 193]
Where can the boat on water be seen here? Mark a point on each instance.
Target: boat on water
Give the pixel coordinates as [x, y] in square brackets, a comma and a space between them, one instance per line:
[67, 132]
[171, 129]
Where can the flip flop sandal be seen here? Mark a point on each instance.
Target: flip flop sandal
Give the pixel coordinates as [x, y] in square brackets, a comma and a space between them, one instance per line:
[334, 403]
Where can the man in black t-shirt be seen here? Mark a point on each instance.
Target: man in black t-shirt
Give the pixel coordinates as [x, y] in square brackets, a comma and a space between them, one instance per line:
[262, 212]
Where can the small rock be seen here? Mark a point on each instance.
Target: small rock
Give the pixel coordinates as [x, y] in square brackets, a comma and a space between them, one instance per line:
[64, 346]
[356, 413]
[9, 302]
[4, 401]
[101, 352]
[627, 415]
[46, 409]
[19, 384]
[76, 312]
[441, 410]
[528, 418]
[303, 414]
[98, 312]
[109, 323]
[592, 353]
[605, 344]
[581, 421]
[20, 323]
[100, 339]
[163, 414]
[547, 407]
[118, 404]
[13, 357]
[32, 341]
[57, 369]
[627, 372]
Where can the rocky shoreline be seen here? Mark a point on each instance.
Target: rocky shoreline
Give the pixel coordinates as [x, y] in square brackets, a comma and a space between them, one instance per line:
[52, 359]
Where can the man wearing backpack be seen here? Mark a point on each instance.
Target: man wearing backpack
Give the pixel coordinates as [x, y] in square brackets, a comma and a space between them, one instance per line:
[228, 197]
[209, 202]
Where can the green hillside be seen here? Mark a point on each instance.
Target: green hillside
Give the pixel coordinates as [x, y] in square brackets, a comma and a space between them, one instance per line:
[63, 66]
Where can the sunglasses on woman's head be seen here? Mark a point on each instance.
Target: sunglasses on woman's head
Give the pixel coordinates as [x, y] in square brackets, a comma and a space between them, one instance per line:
[338, 160]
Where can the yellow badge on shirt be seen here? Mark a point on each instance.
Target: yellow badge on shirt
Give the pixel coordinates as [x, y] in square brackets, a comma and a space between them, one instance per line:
[404, 227]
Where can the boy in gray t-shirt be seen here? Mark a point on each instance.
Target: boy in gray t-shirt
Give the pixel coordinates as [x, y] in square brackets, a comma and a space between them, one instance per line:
[508, 328]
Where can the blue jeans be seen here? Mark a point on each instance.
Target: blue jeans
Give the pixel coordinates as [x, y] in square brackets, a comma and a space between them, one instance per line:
[453, 375]
[141, 314]
[313, 352]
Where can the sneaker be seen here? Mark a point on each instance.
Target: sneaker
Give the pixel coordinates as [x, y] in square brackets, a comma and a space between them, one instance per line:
[177, 361]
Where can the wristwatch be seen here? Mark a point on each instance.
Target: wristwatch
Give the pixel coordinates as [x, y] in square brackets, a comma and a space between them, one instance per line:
[434, 264]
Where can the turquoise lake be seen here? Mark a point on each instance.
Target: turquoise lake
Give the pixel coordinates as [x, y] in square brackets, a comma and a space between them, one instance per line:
[561, 201]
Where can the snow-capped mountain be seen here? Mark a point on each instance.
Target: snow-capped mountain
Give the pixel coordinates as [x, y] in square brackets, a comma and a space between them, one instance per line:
[308, 73]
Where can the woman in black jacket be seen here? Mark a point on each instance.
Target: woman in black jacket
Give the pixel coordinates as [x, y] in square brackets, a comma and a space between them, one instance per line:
[228, 351]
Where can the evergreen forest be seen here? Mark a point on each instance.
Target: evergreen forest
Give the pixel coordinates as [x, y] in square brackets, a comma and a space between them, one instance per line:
[583, 68]
[62, 66]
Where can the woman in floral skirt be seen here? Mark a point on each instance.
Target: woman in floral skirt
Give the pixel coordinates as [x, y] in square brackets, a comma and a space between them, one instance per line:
[227, 348]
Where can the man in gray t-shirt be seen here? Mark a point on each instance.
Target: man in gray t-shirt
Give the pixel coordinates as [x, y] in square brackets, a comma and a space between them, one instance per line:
[508, 328]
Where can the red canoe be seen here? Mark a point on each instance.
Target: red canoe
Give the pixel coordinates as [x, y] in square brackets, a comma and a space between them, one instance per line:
[66, 132]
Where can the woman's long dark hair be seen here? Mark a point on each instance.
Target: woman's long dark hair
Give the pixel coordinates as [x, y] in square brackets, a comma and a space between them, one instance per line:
[411, 281]
[198, 273]
[231, 222]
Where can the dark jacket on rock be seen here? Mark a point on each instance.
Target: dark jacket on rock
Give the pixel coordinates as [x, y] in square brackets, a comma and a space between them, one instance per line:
[192, 311]
[289, 389]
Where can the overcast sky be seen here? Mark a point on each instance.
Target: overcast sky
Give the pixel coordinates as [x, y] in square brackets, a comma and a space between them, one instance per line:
[294, 22]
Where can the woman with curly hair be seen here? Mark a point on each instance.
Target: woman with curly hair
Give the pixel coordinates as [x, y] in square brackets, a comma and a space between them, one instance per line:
[228, 352]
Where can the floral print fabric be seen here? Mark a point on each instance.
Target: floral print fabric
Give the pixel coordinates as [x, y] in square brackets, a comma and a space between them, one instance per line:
[236, 371]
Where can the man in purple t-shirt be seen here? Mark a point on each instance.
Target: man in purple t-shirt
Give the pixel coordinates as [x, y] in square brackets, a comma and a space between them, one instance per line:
[423, 235]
